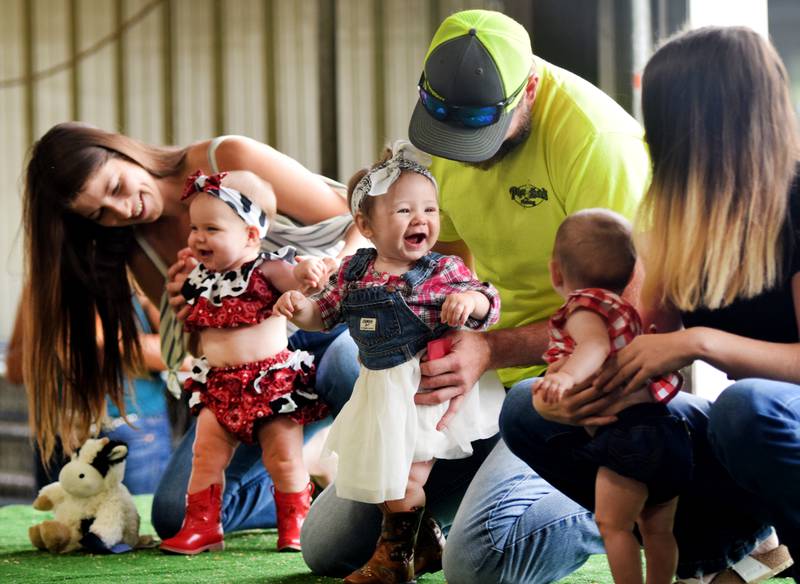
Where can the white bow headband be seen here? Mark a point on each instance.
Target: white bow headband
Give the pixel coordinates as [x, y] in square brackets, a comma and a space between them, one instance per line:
[378, 180]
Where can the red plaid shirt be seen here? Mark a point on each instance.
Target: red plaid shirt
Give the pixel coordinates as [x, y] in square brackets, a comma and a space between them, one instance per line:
[623, 324]
[451, 275]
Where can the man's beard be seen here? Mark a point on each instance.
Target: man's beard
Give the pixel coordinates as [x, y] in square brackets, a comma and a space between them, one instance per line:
[508, 145]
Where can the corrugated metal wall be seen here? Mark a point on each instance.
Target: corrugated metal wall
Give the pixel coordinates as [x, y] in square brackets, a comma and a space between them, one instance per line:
[326, 81]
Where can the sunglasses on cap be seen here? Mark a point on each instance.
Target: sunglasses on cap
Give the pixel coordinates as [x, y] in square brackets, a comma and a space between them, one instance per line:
[471, 116]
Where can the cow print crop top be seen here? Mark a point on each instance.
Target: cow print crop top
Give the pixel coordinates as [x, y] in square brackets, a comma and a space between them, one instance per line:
[231, 299]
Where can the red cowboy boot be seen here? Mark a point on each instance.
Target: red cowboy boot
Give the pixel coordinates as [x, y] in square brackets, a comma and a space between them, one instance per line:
[202, 527]
[393, 560]
[429, 548]
[291, 510]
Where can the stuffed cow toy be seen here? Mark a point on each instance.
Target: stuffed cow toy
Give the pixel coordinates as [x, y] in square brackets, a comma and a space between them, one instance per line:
[92, 508]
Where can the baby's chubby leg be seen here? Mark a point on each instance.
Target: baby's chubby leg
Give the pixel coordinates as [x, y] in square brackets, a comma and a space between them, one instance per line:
[212, 452]
[619, 502]
[415, 489]
[660, 548]
[281, 442]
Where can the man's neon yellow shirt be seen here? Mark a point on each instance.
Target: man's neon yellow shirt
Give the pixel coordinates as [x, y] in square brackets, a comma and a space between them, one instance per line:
[584, 151]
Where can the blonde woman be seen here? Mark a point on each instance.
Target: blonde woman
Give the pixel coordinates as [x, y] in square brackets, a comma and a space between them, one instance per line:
[719, 234]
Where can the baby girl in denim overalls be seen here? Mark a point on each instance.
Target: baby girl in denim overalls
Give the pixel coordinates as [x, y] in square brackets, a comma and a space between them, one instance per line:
[395, 299]
[248, 387]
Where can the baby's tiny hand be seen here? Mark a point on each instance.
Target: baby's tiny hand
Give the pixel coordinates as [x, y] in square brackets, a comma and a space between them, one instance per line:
[457, 308]
[553, 385]
[331, 263]
[311, 272]
[289, 302]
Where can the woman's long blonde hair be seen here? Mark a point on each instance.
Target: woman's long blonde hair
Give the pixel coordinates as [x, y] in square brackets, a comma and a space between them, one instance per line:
[723, 140]
[76, 271]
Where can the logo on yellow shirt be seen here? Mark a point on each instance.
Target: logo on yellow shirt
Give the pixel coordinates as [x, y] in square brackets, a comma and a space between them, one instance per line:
[528, 195]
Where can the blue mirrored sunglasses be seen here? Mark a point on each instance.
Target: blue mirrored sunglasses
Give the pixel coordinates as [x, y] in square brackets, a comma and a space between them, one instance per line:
[471, 116]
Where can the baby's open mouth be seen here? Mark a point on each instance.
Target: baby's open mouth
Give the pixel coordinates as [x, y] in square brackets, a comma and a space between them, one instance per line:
[416, 238]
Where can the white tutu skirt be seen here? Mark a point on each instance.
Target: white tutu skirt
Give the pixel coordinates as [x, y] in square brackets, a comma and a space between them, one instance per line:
[380, 431]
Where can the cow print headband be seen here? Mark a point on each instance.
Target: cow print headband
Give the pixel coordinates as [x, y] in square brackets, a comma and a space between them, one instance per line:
[248, 211]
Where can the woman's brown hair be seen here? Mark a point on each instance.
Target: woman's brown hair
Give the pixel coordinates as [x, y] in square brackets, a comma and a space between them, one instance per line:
[723, 140]
[76, 269]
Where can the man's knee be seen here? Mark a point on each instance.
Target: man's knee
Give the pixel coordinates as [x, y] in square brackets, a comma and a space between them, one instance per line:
[458, 564]
[516, 415]
[338, 535]
[317, 554]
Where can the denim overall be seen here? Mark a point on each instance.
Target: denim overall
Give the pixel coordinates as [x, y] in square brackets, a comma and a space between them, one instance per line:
[385, 329]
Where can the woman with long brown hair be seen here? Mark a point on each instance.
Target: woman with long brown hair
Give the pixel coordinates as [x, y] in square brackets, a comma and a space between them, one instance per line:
[719, 231]
[98, 204]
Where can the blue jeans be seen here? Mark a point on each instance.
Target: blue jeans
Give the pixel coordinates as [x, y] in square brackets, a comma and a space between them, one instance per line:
[247, 502]
[764, 459]
[717, 522]
[149, 448]
[510, 525]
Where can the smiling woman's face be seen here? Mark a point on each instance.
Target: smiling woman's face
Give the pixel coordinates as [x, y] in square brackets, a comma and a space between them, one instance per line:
[119, 193]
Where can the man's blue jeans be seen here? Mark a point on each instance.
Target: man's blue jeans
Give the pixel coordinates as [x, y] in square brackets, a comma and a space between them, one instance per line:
[718, 521]
[511, 526]
[247, 502]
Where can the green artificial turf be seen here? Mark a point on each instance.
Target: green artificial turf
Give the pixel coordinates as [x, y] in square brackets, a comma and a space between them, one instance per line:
[249, 558]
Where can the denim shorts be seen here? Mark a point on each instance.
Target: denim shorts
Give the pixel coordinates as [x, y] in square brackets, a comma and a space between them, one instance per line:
[647, 444]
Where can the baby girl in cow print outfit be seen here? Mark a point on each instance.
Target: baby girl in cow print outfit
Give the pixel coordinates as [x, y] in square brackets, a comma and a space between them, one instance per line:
[248, 386]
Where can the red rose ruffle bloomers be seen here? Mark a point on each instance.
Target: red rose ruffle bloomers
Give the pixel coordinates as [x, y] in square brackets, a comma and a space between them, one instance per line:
[244, 396]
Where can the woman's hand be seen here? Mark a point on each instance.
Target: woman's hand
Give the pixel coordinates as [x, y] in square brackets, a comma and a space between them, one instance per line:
[176, 276]
[457, 308]
[646, 356]
[451, 376]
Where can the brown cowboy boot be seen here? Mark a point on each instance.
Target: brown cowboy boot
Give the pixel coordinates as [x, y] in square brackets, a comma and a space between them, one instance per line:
[429, 548]
[393, 560]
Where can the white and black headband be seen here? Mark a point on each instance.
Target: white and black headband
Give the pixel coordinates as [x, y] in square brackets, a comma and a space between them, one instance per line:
[242, 205]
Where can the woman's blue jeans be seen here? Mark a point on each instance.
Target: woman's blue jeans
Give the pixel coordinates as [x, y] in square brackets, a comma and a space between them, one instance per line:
[747, 466]
[754, 430]
[149, 448]
[247, 502]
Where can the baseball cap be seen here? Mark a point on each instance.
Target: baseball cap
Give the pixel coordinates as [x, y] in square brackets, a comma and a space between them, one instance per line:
[476, 58]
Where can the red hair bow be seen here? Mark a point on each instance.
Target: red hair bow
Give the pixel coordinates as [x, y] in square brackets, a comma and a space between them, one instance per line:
[198, 183]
